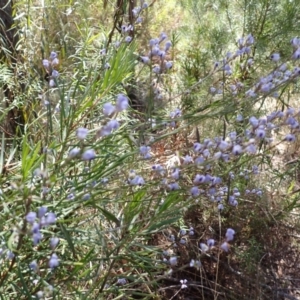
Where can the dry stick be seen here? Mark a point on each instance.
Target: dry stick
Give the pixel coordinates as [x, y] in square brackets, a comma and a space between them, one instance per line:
[175, 294]
[217, 271]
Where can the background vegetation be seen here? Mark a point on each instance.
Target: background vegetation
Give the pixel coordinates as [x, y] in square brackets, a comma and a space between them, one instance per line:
[149, 150]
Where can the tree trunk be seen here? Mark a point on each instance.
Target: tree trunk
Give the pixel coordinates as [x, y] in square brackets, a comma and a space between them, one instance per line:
[14, 122]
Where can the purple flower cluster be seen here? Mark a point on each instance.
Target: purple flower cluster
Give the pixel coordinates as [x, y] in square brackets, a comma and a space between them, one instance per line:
[207, 154]
[282, 74]
[81, 133]
[38, 221]
[108, 110]
[205, 247]
[49, 65]
[158, 50]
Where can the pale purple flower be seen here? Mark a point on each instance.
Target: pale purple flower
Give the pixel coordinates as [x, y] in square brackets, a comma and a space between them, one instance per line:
[229, 234]
[187, 159]
[74, 152]
[156, 70]
[113, 125]
[290, 137]
[182, 232]
[183, 283]
[223, 145]
[88, 155]
[225, 247]
[144, 150]
[216, 180]
[295, 42]
[35, 227]
[104, 131]
[162, 54]
[55, 62]
[168, 65]
[124, 28]
[246, 50]
[240, 42]
[50, 218]
[250, 62]
[195, 191]
[204, 247]
[290, 111]
[155, 51]
[198, 147]
[121, 103]
[51, 83]
[296, 54]
[182, 241]
[173, 261]
[121, 281]
[174, 186]
[162, 37]
[227, 70]
[237, 150]
[275, 57]
[36, 238]
[82, 133]
[232, 135]
[154, 42]
[260, 133]
[33, 266]
[159, 169]
[291, 121]
[136, 11]
[172, 238]
[210, 243]
[42, 211]
[176, 173]
[10, 255]
[30, 217]
[206, 153]
[199, 160]
[195, 263]
[128, 39]
[145, 60]
[55, 74]
[199, 179]
[86, 197]
[53, 262]
[139, 20]
[233, 201]
[266, 88]
[217, 155]
[54, 242]
[46, 63]
[220, 206]
[53, 55]
[251, 93]
[137, 180]
[191, 231]
[212, 90]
